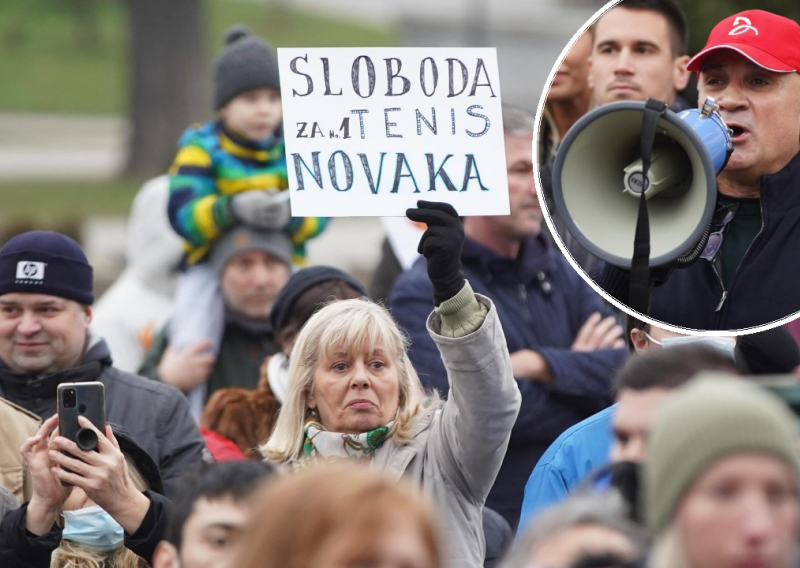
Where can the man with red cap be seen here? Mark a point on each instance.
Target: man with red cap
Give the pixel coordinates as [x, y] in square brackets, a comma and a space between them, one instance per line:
[750, 67]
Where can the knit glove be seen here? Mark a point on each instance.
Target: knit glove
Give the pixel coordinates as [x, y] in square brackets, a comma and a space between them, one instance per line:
[441, 245]
[261, 210]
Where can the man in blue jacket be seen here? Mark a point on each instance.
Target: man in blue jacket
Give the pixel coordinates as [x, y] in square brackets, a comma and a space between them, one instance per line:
[619, 433]
[564, 345]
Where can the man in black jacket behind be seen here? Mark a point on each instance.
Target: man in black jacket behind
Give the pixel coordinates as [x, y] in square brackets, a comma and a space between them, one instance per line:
[45, 311]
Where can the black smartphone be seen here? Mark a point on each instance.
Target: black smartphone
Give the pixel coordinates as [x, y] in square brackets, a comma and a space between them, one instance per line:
[81, 399]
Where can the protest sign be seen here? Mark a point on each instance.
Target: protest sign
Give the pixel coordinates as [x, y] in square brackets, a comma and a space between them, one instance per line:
[369, 131]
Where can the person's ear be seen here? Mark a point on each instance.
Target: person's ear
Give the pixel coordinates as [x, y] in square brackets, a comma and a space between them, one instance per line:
[87, 312]
[166, 555]
[680, 73]
[589, 78]
[639, 340]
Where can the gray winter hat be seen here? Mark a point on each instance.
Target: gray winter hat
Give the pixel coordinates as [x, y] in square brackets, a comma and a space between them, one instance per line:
[714, 416]
[247, 62]
[242, 239]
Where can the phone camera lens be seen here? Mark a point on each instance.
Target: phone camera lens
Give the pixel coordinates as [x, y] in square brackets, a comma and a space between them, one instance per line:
[70, 398]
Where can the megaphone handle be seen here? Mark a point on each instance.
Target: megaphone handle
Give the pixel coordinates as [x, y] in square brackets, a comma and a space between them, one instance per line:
[639, 297]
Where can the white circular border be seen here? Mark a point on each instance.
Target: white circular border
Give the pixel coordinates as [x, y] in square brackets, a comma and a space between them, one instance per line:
[557, 238]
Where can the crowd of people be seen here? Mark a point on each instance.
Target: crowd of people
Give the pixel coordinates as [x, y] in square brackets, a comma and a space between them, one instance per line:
[492, 410]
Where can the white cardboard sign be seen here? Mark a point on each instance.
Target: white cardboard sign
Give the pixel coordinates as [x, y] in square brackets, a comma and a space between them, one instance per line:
[369, 131]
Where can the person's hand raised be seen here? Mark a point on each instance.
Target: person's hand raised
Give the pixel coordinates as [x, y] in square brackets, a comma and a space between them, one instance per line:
[441, 244]
[48, 494]
[102, 474]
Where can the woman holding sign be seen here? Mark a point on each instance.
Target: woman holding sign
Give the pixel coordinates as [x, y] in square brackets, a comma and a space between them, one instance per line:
[353, 393]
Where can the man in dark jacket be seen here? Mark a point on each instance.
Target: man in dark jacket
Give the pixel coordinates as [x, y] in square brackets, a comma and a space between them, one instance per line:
[45, 311]
[750, 67]
[253, 267]
[563, 350]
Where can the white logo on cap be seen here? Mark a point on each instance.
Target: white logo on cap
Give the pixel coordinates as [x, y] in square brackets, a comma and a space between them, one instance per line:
[30, 270]
[741, 28]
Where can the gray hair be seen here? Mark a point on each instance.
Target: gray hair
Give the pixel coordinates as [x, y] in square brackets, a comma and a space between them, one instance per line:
[607, 510]
[517, 120]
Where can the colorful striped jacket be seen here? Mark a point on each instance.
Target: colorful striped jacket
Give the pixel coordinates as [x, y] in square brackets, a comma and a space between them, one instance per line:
[214, 164]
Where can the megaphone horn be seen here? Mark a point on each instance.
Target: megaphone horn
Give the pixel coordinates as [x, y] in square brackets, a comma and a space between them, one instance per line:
[598, 179]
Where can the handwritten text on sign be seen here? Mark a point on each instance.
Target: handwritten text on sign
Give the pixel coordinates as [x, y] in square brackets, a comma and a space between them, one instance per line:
[369, 131]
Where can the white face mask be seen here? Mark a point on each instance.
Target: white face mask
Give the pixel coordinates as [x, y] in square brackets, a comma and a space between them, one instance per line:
[724, 344]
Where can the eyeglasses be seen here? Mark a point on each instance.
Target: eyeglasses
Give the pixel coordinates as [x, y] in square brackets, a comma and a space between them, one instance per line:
[722, 218]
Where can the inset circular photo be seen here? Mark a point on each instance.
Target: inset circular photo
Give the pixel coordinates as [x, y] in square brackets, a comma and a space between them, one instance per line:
[671, 173]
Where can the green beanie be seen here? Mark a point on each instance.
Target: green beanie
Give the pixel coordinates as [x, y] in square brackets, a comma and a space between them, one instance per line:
[704, 421]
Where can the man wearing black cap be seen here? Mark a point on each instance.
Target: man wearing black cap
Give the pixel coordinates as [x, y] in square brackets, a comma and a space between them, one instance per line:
[252, 267]
[45, 312]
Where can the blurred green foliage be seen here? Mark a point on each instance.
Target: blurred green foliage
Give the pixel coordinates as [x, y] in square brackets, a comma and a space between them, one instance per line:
[48, 203]
[704, 15]
[71, 55]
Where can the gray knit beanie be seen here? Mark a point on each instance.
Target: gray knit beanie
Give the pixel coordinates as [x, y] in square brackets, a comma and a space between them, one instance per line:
[247, 62]
[708, 419]
[242, 239]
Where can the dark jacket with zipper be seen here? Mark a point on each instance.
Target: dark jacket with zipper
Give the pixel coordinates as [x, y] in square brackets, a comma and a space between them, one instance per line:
[765, 287]
[542, 303]
[156, 415]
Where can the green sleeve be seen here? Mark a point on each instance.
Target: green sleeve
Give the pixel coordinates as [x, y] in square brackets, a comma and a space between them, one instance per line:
[462, 314]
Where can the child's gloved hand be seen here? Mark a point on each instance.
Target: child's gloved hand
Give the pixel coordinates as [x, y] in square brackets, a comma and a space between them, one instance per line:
[261, 209]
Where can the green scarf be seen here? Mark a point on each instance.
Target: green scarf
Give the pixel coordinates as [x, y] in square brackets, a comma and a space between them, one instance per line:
[320, 443]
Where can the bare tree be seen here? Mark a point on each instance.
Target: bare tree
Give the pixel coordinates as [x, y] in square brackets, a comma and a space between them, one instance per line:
[168, 88]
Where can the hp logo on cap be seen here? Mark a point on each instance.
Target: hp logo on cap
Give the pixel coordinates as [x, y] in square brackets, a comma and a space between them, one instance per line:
[30, 270]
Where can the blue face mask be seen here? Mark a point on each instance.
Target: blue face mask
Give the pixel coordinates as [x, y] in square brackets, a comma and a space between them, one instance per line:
[725, 345]
[94, 528]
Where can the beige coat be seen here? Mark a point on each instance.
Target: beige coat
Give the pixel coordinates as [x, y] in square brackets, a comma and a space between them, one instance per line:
[16, 425]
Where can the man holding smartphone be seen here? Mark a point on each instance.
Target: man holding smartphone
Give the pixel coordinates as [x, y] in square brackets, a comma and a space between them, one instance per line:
[45, 312]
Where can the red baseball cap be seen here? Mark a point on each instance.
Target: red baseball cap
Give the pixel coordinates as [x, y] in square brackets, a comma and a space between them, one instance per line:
[768, 40]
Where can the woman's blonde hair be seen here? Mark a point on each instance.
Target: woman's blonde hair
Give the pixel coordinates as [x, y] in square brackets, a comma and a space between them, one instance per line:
[75, 555]
[296, 517]
[342, 325]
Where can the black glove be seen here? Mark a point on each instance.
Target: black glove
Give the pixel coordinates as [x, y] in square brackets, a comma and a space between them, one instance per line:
[441, 245]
